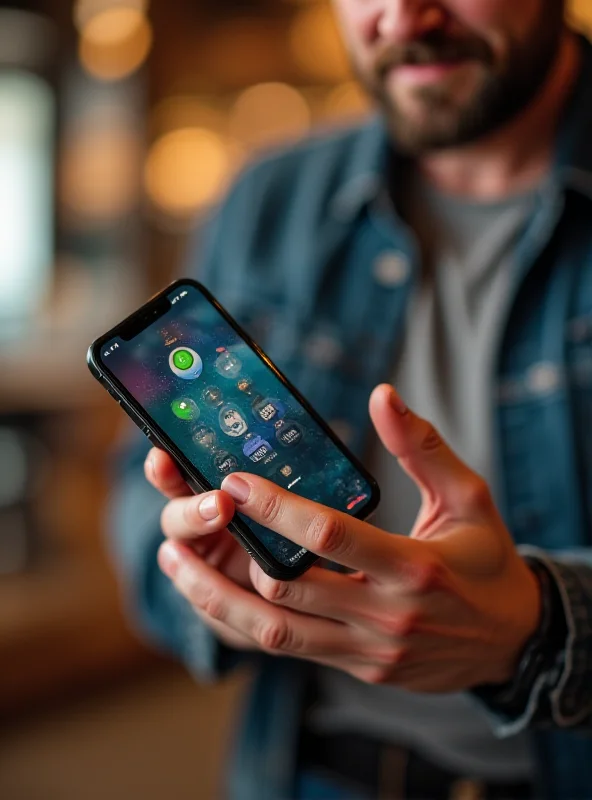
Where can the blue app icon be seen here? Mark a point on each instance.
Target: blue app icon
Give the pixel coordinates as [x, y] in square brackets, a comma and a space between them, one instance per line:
[257, 449]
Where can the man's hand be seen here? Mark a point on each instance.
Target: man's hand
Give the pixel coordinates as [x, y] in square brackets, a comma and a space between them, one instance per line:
[198, 525]
[447, 608]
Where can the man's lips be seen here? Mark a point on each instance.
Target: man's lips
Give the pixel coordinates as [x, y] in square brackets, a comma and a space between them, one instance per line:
[423, 73]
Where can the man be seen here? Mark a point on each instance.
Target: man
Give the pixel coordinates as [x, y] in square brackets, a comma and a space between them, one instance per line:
[445, 248]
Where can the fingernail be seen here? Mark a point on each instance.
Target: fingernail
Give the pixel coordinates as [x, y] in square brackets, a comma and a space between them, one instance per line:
[150, 462]
[397, 403]
[208, 508]
[237, 488]
[168, 559]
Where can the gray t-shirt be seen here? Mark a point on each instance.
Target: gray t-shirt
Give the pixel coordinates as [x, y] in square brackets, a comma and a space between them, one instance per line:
[444, 373]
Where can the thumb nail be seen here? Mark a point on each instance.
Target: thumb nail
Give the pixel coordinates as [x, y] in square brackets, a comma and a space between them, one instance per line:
[397, 403]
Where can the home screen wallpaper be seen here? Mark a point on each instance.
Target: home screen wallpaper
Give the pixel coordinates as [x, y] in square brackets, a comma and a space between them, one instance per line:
[226, 410]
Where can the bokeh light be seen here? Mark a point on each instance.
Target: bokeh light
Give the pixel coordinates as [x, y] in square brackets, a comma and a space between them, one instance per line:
[316, 46]
[346, 100]
[580, 11]
[99, 174]
[186, 111]
[188, 169]
[115, 42]
[85, 10]
[269, 113]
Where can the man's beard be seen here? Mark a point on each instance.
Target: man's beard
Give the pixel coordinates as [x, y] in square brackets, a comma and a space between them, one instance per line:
[503, 92]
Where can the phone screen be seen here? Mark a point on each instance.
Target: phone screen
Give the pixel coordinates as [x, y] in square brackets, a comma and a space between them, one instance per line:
[225, 408]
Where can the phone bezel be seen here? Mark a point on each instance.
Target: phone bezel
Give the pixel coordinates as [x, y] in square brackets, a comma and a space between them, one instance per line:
[146, 315]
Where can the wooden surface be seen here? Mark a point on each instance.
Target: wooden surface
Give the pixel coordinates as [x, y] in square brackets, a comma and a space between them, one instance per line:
[158, 735]
[61, 631]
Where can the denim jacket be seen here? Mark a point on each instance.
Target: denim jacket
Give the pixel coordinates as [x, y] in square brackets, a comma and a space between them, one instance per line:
[305, 255]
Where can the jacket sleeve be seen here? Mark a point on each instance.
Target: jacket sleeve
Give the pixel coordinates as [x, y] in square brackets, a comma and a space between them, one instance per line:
[561, 695]
[156, 609]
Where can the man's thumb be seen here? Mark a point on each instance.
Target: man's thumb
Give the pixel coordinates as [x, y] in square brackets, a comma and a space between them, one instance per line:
[424, 455]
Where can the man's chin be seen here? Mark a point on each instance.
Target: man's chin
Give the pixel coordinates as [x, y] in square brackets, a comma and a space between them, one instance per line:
[418, 135]
[420, 124]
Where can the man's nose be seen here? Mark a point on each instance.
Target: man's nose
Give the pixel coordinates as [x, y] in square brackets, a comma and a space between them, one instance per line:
[400, 21]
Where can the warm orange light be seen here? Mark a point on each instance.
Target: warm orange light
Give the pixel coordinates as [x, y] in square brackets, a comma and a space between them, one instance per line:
[100, 173]
[115, 42]
[346, 100]
[269, 113]
[580, 11]
[85, 10]
[186, 170]
[316, 45]
[185, 111]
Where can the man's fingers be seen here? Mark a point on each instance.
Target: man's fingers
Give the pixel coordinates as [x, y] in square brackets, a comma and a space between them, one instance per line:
[274, 630]
[162, 473]
[423, 454]
[319, 591]
[352, 599]
[328, 533]
[198, 515]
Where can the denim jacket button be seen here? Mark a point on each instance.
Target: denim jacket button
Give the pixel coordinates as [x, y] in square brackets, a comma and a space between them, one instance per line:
[543, 378]
[323, 350]
[390, 269]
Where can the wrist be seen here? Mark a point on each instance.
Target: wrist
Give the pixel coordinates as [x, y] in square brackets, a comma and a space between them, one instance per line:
[531, 604]
[540, 655]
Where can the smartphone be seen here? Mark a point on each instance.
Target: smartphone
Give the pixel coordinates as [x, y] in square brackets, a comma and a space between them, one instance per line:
[200, 388]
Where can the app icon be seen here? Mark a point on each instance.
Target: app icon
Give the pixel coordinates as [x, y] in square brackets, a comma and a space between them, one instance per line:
[286, 476]
[225, 463]
[212, 395]
[352, 502]
[288, 433]
[245, 385]
[232, 421]
[185, 363]
[204, 437]
[268, 409]
[257, 449]
[185, 408]
[228, 365]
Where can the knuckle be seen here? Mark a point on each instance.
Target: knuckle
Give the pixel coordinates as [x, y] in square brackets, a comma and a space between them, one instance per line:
[476, 493]
[431, 439]
[428, 576]
[274, 591]
[271, 508]
[403, 624]
[376, 674]
[273, 635]
[327, 534]
[393, 657]
[210, 602]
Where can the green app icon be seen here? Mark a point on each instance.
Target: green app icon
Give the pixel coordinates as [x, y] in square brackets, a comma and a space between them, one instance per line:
[183, 359]
[185, 408]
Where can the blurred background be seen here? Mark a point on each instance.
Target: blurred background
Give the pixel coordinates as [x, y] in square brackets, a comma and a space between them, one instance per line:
[121, 124]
